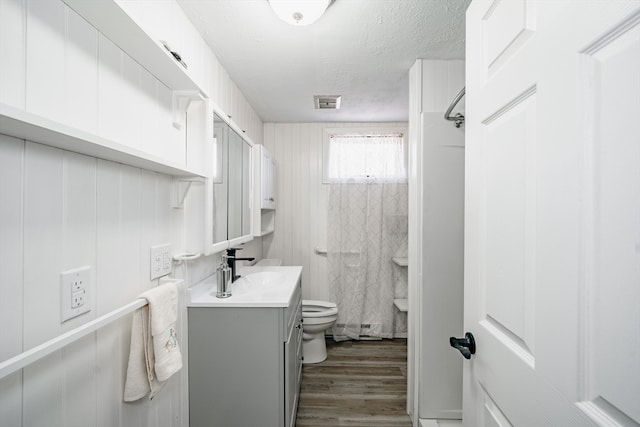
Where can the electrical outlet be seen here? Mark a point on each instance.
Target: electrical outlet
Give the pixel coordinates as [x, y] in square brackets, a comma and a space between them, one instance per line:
[160, 260]
[74, 290]
[77, 299]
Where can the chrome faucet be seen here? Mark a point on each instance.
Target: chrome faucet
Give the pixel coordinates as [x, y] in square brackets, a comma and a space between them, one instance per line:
[231, 261]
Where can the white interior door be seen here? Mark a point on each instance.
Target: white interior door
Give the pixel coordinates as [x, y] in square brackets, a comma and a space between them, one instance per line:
[552, 213]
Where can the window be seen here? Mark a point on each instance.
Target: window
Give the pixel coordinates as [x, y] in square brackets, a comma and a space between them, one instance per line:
[362, 156]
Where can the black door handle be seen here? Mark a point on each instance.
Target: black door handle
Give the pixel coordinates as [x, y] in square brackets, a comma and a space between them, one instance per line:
[466, 345]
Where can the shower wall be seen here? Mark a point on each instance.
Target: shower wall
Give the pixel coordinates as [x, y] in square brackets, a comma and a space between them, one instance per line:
[436, 243]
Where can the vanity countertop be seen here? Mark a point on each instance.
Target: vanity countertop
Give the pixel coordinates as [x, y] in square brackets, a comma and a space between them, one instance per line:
[259, 286]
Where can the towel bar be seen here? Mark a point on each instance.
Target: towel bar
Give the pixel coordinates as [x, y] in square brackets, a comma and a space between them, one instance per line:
[36, 353]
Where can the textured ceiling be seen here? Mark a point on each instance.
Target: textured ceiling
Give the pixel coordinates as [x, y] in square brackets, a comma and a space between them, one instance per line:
[360, 49]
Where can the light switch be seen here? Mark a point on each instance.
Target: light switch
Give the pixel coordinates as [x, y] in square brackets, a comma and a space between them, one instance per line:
[160, 260]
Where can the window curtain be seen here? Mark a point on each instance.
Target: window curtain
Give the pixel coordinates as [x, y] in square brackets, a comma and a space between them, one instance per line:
[362, 158]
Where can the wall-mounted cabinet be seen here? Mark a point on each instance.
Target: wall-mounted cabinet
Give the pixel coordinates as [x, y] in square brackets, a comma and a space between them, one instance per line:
[265, 180]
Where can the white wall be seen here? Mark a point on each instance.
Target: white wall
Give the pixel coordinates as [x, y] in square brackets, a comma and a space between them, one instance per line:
[60, 210]
[435, 240]
[301, 200]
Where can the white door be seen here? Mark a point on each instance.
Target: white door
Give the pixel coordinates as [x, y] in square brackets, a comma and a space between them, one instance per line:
[552, 213]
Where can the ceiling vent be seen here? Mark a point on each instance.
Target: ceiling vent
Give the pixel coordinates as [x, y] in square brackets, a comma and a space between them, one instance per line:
[327, 102]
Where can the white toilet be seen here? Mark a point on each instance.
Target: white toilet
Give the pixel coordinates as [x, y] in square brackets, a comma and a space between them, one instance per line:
[318, 316]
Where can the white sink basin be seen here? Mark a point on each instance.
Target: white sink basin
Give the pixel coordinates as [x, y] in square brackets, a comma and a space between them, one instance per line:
[257, 286]
[264, 281]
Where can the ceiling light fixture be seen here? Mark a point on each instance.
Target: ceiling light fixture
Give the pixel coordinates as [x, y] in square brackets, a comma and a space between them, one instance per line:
[299, 12]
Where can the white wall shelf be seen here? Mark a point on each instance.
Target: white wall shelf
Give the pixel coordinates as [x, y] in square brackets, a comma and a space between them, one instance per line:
[401, 261]
[266, 224]
[263, 233]
[401, 304]
[108, 17]
[20, 124]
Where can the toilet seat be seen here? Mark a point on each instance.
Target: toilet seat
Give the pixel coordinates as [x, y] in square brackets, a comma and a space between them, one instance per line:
[314, 308]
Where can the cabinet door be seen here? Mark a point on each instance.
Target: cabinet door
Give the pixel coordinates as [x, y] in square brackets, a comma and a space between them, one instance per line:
[298, 369]
[289, 378]
[293, 371]
[267, 184]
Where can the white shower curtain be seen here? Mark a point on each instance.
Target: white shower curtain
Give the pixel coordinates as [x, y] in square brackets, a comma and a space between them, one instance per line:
[367, 227]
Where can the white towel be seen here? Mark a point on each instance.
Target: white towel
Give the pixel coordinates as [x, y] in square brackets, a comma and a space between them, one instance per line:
[155, 354]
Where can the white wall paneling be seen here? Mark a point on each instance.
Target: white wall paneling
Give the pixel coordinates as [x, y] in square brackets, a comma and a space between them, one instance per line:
[110, 90]
[129, 106]
[11, 250]
[121, 197]
[301, 200]
[45, 59]
[12, 45]
[81, 73]
[61, 65]
[67, 210]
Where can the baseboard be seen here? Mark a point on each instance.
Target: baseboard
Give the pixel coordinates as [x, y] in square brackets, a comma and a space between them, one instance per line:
[400, 335]
[440, 423]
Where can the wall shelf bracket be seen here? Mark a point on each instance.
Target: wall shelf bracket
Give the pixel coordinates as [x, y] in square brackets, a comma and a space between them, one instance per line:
[180, 101]
[181, 187]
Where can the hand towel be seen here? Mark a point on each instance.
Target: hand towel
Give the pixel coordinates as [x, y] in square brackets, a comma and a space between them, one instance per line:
[155, 354]
[163, 314]
[141, 379]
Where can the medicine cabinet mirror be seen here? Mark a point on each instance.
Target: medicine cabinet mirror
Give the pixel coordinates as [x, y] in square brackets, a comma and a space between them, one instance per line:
[229, 187]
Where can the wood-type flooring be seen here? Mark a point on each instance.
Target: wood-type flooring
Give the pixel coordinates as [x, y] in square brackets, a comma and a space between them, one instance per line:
[361, 384]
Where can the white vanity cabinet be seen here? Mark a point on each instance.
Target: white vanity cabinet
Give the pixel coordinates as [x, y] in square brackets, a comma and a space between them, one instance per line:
[245, 364]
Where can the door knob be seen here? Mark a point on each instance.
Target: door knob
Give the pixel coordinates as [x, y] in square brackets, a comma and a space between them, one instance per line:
[466, 345]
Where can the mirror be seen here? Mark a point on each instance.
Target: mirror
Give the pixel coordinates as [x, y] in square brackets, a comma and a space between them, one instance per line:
[228, 193]
[234, 198]
[219, 190]
[246, 189]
